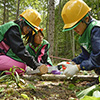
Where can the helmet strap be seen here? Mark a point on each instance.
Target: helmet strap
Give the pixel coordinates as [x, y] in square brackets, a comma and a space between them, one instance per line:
[83, 19]
[87, 23]
[22, 24]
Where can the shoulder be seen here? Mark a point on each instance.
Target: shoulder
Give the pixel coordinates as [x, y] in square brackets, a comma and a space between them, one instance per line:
[45, 42]
[95, 33]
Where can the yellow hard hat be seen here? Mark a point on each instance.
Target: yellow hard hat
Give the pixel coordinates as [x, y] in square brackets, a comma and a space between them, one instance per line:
[32, 17]
[72, 12]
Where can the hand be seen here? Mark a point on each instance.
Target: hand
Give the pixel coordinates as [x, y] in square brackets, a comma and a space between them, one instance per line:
[39, 70]
[71, 70]
[64, 64]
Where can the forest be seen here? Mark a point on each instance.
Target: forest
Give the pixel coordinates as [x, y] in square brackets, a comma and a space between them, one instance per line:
[63, 46]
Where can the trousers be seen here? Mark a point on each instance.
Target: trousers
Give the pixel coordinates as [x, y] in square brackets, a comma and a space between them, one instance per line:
[6, 63]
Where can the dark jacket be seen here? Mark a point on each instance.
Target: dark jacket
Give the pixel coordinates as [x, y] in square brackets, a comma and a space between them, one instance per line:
[12, 45]
[90, 60]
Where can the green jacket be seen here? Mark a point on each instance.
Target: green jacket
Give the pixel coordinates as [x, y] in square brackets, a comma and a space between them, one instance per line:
[85, 39]
[40, 53]
[12, 45]
[4, 48]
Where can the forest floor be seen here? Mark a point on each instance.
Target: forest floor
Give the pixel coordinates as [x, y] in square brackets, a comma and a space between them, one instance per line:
[35, 88]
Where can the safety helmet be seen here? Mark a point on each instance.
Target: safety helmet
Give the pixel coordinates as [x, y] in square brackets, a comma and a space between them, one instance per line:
[72, 13]
[31, 17]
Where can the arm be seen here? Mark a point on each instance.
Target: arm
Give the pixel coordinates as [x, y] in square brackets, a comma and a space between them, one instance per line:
[16, 44]
[83, 56]
[94, 59]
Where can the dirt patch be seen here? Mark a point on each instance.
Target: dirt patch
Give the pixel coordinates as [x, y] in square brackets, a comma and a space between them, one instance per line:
[42, 89]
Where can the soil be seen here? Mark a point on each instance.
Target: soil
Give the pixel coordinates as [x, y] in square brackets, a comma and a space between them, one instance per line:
[40, 89]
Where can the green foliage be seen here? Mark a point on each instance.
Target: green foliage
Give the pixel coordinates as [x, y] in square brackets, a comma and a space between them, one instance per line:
[63, 42]
[88, 92]
[32, 87]
[25, 96]
[99, 78]
[11, 77]
[91, 91]
[1, 89]
[71, 86]
[59, 84]
[90, 98]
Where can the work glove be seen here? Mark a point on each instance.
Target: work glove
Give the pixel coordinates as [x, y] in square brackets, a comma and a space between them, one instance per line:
[70, 68]
[64, 64]
[41, 69]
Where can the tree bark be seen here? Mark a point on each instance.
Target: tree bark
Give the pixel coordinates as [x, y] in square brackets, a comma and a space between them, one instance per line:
[4, 14]
[17, 10]
[58, 32]
[73, 46]
[51, 25]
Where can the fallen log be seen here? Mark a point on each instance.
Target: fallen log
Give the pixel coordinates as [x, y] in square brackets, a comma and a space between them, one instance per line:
[52, 77]
[64, 77]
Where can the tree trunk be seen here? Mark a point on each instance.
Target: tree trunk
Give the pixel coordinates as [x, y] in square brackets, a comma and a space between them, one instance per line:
[17, 10]
[73, 46]
[4, 14]
[56, 38]
[51, 25]
[47, 31]
[98, 8]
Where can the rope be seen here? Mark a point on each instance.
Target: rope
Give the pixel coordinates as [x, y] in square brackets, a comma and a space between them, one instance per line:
[59, 58]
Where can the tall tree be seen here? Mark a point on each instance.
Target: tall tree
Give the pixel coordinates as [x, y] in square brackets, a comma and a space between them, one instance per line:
[73, 46]
[57, 33]
[51, 24]
[17, 9]
[4, 13]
